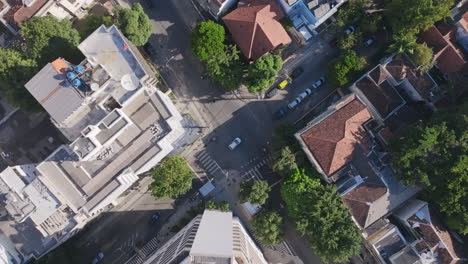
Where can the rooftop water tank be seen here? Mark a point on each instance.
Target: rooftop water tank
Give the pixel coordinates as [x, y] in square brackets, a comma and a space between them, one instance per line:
[71, 75]
[76, 82]
[78, 69]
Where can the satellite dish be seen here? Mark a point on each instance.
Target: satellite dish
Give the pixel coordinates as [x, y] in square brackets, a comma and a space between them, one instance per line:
[129, 82]
[94, 86]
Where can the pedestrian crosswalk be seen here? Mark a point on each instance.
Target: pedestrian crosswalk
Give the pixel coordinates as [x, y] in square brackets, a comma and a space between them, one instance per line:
[144, 252]
[254, 172]
[210, 165]
[150, 247]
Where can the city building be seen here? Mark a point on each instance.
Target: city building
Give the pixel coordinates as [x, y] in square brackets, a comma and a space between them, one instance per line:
[310, 17]
[15, 12]
[119, 126]
[345, 145]
[417, 236]
[255, 27]
[214, 237]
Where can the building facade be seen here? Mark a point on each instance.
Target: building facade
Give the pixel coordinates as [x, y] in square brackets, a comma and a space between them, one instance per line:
[214, 237]
[119, 126]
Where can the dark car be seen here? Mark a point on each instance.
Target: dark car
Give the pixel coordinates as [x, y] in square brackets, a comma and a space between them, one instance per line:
[271, 93]
[281, 112]
[298, 71]
[333, 42]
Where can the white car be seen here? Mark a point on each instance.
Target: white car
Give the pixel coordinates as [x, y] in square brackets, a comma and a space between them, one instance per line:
[318, 83]
[305, 93]
[294, 103]
[349, 30]
[234, 143]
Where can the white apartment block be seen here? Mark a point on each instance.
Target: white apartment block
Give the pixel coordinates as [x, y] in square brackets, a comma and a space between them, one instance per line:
[214, 237]
[119, 126]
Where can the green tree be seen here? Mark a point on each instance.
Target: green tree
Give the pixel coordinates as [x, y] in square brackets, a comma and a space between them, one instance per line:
[47, 38]
[351, 10]
[207, 40]
[402, 44]
[262, 73]
[322, 217]
[283, 136]
[349, 41]
[91, 22]
[15, 72]
[370, 23]
[172, 178]
[267, 227]
[226, 68]
[409, 17]
[255, 192]
[284, 162]
[134, 23]
[423, 56]
[341, 69]
[435, 155]
[221, 206]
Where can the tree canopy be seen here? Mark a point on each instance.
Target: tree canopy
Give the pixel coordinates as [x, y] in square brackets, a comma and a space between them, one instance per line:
[351, 10]
[255, 192]
[284, 161]
[207, 40]
[435, 154]
[423, 56]
[262, 73]
[47, 38]
[172, 178]
[410, 17]
[226, 68]
[134, 23]
[341, 68]
[15, 71]
[349, 41]
[321, 216]
[91, 22]
[402, 44]
[267, 227]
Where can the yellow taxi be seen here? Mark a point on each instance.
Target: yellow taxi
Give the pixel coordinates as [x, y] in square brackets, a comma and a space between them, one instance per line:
[283, 84]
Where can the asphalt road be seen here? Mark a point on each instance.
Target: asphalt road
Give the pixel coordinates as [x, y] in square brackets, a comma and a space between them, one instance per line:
[223, 115]
[227, 116]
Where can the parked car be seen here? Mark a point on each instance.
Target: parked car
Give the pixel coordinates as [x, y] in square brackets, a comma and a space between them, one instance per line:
[236, 142]
[283, 84]
[155, 217]
[294, 103]
[296, 72]
[271, 93]
[333, 42]
[318, 83]
[368, 42]
[349, 30]
[281, 112]
[98, 258]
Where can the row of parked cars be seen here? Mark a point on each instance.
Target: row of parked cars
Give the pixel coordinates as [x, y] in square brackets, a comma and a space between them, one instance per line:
[284, 109]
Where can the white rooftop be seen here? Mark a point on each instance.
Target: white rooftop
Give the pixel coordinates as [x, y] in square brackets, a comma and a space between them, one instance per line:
[214, 236]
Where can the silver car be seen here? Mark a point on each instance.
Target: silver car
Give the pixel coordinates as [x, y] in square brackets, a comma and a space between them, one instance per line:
[294, 103]
[236, 142]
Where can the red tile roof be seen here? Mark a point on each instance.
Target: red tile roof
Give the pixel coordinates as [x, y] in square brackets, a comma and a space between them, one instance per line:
[464, 21]
[434, 39]
[333, 139]
[360, 199]
[255, 27]
[383, 97]
[19, 13]
[439, 38]
[450, 60]
[435, 237]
